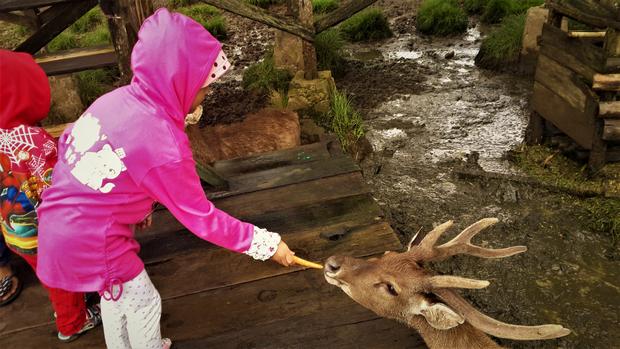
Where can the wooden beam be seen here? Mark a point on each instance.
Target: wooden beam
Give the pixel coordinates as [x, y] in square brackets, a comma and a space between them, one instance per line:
[72, 61]
[15, 5]
[340, 14]
[611, 132]
[609, 110]
[595, 13]
[48, 31]
[263, 16]
[606, 82]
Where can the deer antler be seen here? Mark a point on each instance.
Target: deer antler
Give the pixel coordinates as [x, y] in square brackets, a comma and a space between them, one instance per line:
[461, 244]
[495, 327]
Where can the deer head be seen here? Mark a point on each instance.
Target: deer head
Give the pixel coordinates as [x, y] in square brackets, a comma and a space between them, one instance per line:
[398, 286]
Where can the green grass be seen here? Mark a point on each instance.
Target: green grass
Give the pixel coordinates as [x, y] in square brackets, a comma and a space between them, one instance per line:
[329, 45]
[600, 214]
[324, 6]
[502, 46]
[89, 21]
[343, 120]
[493, 11]
[365, 26]
[94, 83]
[180, 3]
[441, 17]
[264, 77]
[209, 17]
[89, 30]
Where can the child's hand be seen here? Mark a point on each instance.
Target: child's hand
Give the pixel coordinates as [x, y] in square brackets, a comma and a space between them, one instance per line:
[283, 255]
[146, 223]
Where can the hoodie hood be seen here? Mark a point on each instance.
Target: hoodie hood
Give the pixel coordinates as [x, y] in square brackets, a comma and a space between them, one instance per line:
[24, 90]
[171, 61]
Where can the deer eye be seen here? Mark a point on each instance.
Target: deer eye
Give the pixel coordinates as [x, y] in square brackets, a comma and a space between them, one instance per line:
[390, 288]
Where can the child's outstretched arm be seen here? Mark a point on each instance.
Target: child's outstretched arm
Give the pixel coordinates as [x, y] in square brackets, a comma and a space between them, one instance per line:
[177, 186]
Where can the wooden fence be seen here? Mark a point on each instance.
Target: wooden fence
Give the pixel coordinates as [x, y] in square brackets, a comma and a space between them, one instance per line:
[577, 80]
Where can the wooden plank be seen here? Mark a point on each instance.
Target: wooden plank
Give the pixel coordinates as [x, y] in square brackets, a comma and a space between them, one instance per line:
[564, 83]
[14, 5]
[583, 58]
[595, 13]
[375, 333]
[295, 302]
[283, 176]
[342, 13]
[219, 268]
[606, 82]
[75, 60]
[260, 15]
[276, 199]
[576, 124]
[609, 110]
[56, 25]
[611, 131]
[293, 156]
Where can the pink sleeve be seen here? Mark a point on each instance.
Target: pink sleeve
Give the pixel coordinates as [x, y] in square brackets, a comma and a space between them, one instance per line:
[177, 186]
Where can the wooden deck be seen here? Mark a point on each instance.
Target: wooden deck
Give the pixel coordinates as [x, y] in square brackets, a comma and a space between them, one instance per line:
[212, 298]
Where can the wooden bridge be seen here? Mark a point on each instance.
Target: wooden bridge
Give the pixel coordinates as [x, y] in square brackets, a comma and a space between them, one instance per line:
[212, 298]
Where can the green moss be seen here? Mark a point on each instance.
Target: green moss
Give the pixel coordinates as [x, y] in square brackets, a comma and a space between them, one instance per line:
[600, 214]
[367, 25]
[324, 6]
[441, 17]
[94, 83]
[329, 45]
[502, 46]
[264, 77]
[89, 21]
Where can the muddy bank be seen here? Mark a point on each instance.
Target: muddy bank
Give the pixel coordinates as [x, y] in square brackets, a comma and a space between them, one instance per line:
[429, 111]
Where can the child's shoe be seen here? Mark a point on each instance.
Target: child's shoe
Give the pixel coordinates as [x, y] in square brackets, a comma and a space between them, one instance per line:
[93, 319]
[166, 343]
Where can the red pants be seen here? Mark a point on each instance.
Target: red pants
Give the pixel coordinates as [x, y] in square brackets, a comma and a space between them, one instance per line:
[70, 307]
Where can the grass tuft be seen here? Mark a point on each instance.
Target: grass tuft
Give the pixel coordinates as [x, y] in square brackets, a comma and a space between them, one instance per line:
[209, 17]
[502, 46]
[441, 17]
[496, 10]
[264, 77]
[94, 83]
[88, 21]
[367, 25]
[329, 45]
[343, 120]
[474, 6]
[324, 6]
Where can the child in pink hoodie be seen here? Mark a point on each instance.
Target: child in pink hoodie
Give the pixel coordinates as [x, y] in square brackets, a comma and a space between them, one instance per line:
[126, 151]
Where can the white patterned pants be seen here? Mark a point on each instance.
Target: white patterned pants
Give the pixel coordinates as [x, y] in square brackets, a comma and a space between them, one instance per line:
[132, 322]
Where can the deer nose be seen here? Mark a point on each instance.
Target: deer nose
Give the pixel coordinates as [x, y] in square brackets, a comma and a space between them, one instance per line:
[332, 265]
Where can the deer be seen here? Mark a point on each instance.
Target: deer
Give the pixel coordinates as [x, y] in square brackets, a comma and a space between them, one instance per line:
[399, 287]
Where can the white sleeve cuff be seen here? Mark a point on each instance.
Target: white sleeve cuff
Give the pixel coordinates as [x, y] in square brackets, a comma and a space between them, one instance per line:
[264, 244]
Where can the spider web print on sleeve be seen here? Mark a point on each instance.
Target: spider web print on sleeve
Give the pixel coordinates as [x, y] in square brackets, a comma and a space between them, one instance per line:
[15, 140]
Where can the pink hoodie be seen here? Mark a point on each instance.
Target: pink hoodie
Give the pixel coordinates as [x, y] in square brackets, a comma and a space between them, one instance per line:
[126, 151]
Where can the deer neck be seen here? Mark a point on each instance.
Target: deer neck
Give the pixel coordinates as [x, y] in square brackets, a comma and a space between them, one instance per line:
[462, 336]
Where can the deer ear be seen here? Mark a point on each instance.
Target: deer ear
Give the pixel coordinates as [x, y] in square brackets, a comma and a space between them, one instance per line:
[440, 316]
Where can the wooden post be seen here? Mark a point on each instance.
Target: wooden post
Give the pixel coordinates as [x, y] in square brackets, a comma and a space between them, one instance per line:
[306, 18]
[124, 20]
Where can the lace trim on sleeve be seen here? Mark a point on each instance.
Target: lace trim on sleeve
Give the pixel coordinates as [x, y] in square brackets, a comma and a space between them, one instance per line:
[264, 244]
